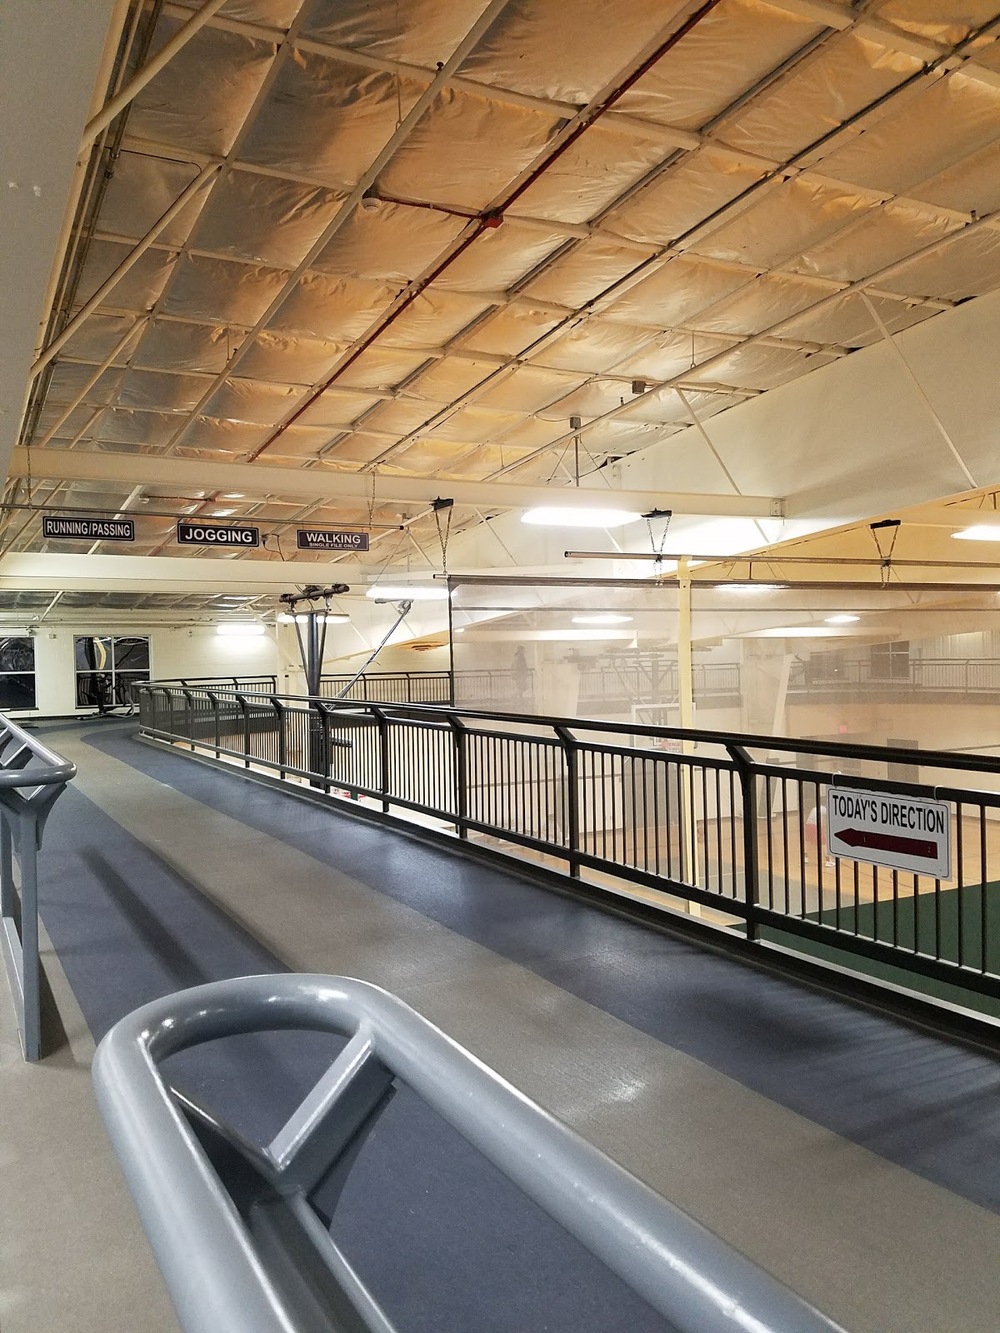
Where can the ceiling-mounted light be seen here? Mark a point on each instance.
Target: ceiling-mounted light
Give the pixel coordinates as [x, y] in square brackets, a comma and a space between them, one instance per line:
[240, 629]
[842, 619]
[603, 618]
[753, 587]
[979, 532]
[554, 516]
[796, 632]
[417, 593]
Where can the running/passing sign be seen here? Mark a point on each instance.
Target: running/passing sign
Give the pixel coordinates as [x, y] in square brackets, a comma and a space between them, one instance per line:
[886, 829]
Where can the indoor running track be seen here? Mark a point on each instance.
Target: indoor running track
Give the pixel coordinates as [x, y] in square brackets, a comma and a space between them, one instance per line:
[853, 1156]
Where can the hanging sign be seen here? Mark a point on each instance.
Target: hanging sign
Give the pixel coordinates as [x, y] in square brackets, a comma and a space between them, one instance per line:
[324, 539]
[884, 829]
[192, 533]
[88, 529]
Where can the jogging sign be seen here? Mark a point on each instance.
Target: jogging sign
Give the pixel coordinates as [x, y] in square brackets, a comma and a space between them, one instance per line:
[885, 829]
[325, 539]
[88, 529]
[192, 533]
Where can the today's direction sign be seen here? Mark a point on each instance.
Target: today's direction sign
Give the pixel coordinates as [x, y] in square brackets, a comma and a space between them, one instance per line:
[886, 829]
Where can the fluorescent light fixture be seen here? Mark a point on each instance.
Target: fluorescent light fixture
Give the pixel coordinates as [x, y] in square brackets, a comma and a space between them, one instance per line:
[554, 516]
[797, 632]
[334, 618]
[753, 587]
[980, 532]
[417, 593]
[581, 635]
[604, 618]
[240, 629]
[843, 619]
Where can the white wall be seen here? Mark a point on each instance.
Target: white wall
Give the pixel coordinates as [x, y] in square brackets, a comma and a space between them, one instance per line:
[853, 439]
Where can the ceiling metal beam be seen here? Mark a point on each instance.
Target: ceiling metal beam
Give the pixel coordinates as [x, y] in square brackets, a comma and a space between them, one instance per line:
[149, 71]
[20, 571]
[331, 486]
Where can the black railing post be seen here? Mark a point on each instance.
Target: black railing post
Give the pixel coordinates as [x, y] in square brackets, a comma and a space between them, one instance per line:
[751, 870]
[383, 755]
[214, 701]
[325, 747]
[245, 709]
[461, 775]
[189, 715]
[279, 712]
[571, 752]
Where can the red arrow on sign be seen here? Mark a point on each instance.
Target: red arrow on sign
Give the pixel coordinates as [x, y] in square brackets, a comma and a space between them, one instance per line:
[889, 842]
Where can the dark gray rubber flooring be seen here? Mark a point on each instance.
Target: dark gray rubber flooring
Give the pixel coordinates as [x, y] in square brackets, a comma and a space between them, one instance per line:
[922, 1103]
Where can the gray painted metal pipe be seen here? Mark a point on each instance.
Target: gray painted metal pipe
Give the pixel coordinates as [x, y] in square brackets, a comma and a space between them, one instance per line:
[216, 1277]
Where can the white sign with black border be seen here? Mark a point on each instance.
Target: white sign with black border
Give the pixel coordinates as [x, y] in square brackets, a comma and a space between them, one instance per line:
[887, 829]
[87, 529]
[326, 539]
[192, 533]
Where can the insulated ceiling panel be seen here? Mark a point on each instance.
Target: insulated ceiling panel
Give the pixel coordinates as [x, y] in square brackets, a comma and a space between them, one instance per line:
[576, 217]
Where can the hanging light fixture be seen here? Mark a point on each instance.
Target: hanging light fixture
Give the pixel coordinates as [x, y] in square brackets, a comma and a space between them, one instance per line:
[555, 516]
[416, 593]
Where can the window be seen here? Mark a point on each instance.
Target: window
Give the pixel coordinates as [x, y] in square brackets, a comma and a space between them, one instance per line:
[107, 668]
[17, 674]
[825, 668]
[890, 661]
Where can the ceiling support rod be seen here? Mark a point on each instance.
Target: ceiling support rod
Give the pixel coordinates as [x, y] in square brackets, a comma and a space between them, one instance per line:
[918, 388]
[132, 258]
[106, 364]
[148, 72]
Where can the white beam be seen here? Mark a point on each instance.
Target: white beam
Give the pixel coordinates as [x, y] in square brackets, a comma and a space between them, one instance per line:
[54, 572]
[329, 486]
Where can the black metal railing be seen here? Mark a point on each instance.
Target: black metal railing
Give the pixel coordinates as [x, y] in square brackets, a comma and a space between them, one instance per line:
[942, 677]
[733, 825]
[650, 683]
[264, 683]
[394, 687]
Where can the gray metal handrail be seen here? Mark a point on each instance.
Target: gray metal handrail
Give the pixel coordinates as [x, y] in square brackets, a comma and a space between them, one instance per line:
[233, 1259]
[31, 778]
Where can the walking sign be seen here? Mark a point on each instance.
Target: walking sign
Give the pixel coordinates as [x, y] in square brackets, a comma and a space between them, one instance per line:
[885, 829]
